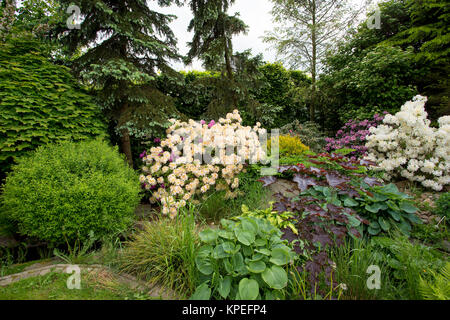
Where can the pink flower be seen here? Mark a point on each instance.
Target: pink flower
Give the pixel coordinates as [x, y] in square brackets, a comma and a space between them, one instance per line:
[211, 124]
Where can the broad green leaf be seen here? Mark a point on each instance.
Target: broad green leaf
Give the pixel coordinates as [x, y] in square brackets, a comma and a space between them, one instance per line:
[264, 251]
[408, 207]
[280, 256]
[203, 292]
[256, 266]
[275, 277]
[395, 215]
[384, 224]
[414, 218]
[224, 287]
[349, 202]
[204, 265]
[208, 235]
[248, 289]
[245, 237]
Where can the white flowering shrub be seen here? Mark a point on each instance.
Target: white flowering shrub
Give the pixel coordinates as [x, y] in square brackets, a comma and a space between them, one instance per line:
[406, 146]
[197, 157]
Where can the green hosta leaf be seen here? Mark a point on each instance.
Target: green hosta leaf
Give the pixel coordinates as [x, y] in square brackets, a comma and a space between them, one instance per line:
[261, 242]
[224, 287]
[237, 261]
[203, 292]
[248, 289]
[349, 202]
[226, 234]
[275, 277]
[379, 197]
[264, 251]
[256, 266]
[414, 218]
[244, 236]
[395, 215]
[384, 224]
[408, 207]
[405, 227]
[374, 228]
[219, 252]
[373, 231]
[204, 265]
[375, 207]
[228, 247]
[353, 221]
[280, 256]
[248, 225]
[208, 235]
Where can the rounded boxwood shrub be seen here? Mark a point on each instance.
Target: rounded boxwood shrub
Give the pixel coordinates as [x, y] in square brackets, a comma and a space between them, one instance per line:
[62, 192]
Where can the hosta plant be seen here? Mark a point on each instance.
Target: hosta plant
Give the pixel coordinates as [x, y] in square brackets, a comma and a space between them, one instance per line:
[244, 260]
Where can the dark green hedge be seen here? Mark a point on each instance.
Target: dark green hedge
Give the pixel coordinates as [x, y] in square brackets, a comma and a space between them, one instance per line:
[40, 102]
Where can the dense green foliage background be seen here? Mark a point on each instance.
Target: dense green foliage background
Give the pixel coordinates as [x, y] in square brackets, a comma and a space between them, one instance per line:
[40, 102]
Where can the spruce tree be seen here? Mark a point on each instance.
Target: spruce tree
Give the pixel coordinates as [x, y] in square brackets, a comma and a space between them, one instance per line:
[212, 43]
[119, 50]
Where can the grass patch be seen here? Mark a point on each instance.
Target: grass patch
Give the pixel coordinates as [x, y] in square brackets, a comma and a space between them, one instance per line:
[53, 286]
[163, 253]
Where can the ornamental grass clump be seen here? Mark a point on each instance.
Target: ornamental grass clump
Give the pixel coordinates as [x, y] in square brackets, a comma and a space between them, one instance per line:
[194, 159]
[406, 146]
[163, 253]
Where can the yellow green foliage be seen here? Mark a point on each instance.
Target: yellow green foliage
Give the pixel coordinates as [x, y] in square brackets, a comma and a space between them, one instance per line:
[289, 145]
[280, 220]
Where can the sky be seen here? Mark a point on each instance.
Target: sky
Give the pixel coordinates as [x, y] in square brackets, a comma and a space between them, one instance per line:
[255, 13]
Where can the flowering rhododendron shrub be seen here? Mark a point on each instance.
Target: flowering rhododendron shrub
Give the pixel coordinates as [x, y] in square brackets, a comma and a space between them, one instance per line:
[197, 157]
[406, 146]
[353, 136]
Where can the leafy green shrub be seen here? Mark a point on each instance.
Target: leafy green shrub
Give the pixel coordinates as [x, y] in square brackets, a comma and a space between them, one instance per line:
[40, 102]
[439, 288]
[62, 192]
[289, 145]
[163, 252]
[244, 260]
[443, 205]
[385, 207]
[308, 132]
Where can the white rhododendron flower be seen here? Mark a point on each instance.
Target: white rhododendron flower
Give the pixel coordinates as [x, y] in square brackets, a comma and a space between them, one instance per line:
[406, 146]
[197, 157]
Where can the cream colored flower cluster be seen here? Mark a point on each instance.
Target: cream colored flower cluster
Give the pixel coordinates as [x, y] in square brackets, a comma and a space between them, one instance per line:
[405, 145]
[197, 157]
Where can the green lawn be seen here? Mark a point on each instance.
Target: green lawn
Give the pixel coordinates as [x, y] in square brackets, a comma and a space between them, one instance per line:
[53, 286]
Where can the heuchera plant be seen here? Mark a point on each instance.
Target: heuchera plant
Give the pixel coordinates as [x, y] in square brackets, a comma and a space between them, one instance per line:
[353, 136]
[335, 199]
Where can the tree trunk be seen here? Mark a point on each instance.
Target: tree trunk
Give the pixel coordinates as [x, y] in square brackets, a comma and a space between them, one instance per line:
[125, 143]
[312, 108]
[230, 71]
